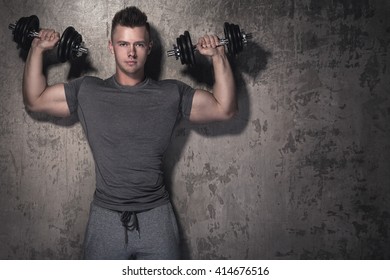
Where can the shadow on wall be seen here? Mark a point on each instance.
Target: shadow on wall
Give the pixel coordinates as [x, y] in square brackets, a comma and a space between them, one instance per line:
[153, 65]
[252, 61]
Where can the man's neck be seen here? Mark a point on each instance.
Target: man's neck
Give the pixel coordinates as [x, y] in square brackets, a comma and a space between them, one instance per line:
[126, 80]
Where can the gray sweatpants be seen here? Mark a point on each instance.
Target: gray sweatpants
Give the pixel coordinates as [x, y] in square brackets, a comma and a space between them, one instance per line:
[157, 238]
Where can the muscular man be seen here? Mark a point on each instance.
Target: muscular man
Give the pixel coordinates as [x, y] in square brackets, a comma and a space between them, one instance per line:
[128, 120]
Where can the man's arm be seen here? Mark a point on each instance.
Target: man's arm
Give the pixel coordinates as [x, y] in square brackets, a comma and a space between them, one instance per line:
[37, 95]
[222, 103]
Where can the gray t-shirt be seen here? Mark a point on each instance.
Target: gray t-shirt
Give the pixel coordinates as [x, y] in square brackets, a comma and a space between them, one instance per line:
[128, 130]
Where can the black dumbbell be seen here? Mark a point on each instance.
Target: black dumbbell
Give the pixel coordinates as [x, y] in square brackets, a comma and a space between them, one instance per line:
[235, 39]
[69, 47]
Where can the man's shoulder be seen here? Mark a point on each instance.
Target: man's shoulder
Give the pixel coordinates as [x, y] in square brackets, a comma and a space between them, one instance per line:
[86, 79]
[94, 79]
[170, 83]
[94, 83]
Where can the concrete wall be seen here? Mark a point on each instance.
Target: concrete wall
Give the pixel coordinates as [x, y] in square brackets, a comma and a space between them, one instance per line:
[301, 173]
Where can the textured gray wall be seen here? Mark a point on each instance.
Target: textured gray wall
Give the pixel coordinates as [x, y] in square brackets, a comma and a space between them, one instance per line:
[301, 173]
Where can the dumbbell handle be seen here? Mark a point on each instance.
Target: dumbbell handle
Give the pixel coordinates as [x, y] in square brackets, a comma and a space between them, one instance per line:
[222, 42]
[34, 34]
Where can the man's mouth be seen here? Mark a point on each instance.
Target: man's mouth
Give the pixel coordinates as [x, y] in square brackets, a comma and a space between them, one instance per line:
[131, 62]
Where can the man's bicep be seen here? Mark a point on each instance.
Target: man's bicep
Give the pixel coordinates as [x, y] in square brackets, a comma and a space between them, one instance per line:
[204, 107]
[53, 101]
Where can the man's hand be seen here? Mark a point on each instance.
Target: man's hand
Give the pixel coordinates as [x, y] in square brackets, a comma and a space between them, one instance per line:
[46, 40]
[208, 45]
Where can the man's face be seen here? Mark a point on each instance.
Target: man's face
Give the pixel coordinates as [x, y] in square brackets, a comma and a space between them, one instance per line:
[131, 47]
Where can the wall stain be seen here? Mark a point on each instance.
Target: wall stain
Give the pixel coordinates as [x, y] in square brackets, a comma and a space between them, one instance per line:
[370, 76]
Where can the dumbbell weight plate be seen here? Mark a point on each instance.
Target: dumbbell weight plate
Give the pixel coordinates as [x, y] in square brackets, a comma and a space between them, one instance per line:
[240, 44]
[180, 42]
[23, 27]
[189, 48]
[76, 42]
[24, 33]
[18, 30]
[186, 56]
[186, 49]
[67, 43]
[32, 25]
[61, 55]
[232, 39]
[235, 37]
[226, 30]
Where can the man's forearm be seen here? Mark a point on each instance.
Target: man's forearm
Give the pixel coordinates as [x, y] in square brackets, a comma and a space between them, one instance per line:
[224, 89]
[34, 81]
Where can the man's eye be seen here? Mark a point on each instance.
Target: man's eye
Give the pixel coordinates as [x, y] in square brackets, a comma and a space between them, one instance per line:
[140, 45]
[122, 44]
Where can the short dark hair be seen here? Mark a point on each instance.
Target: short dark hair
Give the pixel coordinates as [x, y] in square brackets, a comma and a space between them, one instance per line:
[130, 17]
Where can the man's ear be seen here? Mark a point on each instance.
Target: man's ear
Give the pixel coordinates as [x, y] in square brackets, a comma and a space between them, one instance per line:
[150, 46]
[110, 46]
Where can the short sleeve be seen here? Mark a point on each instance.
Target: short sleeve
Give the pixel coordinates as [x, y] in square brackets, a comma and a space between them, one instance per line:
[71, 92]
[186, 95]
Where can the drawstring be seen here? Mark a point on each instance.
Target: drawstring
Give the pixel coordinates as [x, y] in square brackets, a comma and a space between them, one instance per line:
[130, 222]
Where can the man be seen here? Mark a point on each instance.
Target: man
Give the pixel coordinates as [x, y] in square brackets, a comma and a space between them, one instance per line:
[128, 120]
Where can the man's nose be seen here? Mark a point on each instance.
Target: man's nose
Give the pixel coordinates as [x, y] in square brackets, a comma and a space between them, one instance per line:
[131, 50]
